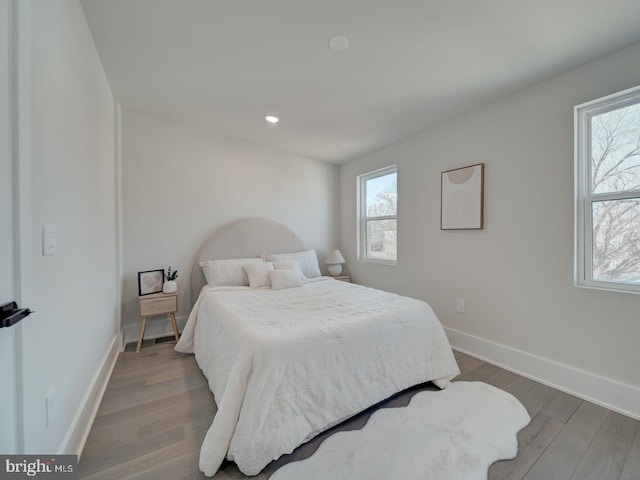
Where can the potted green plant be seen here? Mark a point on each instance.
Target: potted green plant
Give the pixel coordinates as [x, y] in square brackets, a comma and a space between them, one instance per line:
[170, 285]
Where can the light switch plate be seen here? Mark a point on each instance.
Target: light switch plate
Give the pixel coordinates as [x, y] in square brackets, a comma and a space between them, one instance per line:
[48, 240]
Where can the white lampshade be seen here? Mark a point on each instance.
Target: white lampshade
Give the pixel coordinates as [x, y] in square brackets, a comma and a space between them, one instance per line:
[334, 258]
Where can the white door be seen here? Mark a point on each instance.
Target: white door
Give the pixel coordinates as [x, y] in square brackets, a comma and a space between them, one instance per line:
[8, 337]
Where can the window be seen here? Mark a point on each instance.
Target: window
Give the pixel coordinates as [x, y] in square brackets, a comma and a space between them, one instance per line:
[378, 207]
[608, 192]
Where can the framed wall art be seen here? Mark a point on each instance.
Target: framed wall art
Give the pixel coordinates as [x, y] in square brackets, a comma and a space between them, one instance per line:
[150, 282]
[462, 198]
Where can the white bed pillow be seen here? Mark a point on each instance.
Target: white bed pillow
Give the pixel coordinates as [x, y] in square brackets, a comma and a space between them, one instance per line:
[227, 273]
[258, 274]
[281, 279]
[289, 265]
[308, 261]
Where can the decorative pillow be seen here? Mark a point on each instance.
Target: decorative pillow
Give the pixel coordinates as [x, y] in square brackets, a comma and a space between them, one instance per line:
[227, 273]
[308, 261]
[258, 274]
[281, 279]
[289, 265]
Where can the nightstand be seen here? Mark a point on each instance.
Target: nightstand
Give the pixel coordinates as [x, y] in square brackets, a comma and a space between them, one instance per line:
[343, 278]
[158, 304]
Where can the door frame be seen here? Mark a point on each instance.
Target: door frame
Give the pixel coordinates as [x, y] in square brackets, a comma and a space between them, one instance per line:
[19, 118]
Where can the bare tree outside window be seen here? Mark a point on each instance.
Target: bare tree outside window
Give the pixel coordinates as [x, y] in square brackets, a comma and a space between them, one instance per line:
[385, 202]
[615, 194]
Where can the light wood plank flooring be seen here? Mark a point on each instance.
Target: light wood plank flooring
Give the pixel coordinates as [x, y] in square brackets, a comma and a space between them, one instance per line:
[157, 409]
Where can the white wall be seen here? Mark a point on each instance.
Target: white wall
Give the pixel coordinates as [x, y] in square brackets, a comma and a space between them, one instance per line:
[72, 161]
[517, 273]
[181, 184]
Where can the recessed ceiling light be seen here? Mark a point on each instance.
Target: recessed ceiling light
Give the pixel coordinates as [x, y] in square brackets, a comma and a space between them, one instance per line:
[339, 43]
[272, 119]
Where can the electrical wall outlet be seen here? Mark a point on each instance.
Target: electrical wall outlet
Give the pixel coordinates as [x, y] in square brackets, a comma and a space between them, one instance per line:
[49, 240]
[48, 404]
[460, 305]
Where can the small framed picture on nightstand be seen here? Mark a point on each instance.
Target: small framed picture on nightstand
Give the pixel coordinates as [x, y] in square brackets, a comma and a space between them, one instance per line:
[150, 282]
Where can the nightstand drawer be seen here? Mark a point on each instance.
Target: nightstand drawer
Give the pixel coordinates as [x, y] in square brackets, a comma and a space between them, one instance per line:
[158, 305]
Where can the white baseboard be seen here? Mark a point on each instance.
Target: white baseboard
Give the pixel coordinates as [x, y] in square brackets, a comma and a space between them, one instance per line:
[156, 327]
[78, 431]
[602, 391]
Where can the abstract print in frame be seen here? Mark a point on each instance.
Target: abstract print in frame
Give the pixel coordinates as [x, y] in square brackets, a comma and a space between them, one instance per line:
[462, 202]
[150, 282]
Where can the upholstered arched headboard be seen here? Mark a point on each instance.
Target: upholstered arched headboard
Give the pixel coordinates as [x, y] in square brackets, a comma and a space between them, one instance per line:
[246, 238]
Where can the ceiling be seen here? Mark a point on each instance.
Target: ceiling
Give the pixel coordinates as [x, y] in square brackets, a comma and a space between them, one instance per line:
[222, 65]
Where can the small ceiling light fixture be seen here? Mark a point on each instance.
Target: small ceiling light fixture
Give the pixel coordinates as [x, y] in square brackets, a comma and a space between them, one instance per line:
[339, 43]
[272, 119]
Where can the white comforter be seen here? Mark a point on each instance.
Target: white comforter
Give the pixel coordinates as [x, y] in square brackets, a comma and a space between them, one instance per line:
[285, 365]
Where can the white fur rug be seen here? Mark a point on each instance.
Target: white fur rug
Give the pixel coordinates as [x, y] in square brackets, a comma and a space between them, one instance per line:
[453, 434]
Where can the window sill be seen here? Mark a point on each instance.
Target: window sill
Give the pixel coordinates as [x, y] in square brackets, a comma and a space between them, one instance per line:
[608, 287]
[379, 261]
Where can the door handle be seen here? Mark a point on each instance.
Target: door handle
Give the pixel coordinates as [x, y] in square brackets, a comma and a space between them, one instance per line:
[10, 314]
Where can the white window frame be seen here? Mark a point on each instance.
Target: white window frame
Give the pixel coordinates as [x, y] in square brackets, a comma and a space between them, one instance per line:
[363, 218]
[583, 223]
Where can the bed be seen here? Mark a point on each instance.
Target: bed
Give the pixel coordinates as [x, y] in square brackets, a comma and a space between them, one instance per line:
[285, 364]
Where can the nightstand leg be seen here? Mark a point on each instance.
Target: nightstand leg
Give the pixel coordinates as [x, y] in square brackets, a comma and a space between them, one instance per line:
[144, 325]
[175, 326]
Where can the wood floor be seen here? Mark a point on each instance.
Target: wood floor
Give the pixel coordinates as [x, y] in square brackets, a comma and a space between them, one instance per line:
[157, 409]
